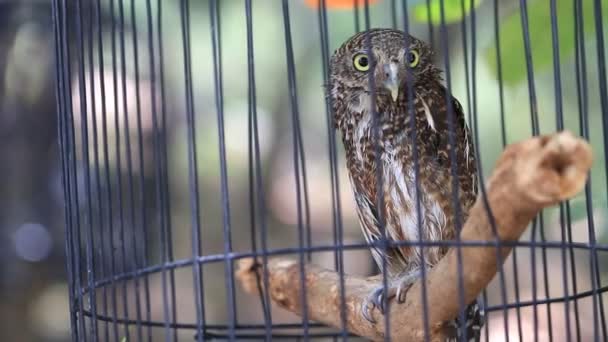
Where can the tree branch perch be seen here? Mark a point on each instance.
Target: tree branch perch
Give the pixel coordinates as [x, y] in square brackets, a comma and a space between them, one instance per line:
[529, 176]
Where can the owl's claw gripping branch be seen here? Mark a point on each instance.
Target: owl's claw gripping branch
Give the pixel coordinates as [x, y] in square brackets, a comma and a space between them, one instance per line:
[397, 288]
[375, 299]
[529, 176]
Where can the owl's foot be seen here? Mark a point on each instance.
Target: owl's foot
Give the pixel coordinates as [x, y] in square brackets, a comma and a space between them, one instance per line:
[398, 287]
[376, 299]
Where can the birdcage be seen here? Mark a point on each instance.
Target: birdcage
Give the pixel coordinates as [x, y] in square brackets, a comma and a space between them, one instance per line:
[207, 193]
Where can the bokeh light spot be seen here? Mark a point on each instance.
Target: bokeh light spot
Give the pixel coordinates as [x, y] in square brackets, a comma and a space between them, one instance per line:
[32, 242]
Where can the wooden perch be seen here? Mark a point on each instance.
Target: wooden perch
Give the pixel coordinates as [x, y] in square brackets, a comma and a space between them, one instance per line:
[529, 176]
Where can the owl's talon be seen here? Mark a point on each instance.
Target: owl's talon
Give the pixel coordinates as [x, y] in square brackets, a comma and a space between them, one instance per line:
[402, 291]
[366, 313]
[376, 300]
[377, 297]
[404, 284]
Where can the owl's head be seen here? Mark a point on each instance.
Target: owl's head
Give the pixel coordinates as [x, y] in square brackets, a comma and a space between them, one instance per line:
[396, 61]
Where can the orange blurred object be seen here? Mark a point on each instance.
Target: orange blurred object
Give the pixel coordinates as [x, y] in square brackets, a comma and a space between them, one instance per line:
[339, 4]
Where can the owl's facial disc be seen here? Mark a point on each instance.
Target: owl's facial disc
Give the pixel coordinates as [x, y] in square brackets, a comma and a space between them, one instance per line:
[392, 79]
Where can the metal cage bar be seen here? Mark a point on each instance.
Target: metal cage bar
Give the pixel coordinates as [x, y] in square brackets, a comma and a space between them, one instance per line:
[128, 83]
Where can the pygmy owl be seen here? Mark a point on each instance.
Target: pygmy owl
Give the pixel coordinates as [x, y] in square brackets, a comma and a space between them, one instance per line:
[395, 74]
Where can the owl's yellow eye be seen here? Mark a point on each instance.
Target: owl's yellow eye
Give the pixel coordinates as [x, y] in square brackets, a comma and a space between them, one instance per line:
[412, 58]
[361, 62]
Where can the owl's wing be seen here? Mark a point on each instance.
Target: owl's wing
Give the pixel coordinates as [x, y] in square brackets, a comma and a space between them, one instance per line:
[465, 154]
[370, 221]
[437, 130]
[466, 167]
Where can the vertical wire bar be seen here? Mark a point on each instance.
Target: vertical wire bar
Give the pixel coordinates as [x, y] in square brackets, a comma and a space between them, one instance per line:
[601, 61]
[300, 146]
[533, 245]
[254, 152]
[517, 293]
[193, 173]
[482, 191]
[81, 231]
[454, 174]
[333, 168]
[567, 238]
[582, 101]
[142, 185]
[88, 217]
[291, 78]
[72, 198]
[219, 102]
[546, 277]
[560, 126]
[117, 129]
[64, 170]
[393, 14]
[376, 129]
[429, 18]
[301, 155]
[465, 50]
[98, 190]
[322, 19]
[535, 131]
[487, 323]
[156, 141]
[59, 38]
[504, 144]
[501, 96]
[252, 176]
[307, 227]
[106, 158]
[414, 139]
[475, 128]
[529, 67]
[165, 199]
[76, 241]
[130, 178]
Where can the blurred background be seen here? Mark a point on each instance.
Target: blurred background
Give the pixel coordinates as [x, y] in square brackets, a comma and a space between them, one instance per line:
[132, 198]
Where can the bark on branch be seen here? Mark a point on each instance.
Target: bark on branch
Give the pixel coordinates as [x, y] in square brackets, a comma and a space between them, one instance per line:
[529, 176]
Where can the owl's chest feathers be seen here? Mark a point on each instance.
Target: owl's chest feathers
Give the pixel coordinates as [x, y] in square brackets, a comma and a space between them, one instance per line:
[391, 125]
[398, 185]
[365, 138]
[387, 134]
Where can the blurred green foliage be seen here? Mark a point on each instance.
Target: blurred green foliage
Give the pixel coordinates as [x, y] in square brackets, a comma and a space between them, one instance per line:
[513, 57]
[452, 10]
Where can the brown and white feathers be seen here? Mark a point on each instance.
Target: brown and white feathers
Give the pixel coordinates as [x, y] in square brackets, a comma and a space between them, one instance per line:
[405, 80]
[349, 92]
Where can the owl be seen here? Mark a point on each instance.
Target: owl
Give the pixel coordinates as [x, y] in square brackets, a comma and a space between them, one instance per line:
[399, 155]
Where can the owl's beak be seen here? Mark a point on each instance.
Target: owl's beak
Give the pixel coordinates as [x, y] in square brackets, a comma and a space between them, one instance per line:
[391, 83]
